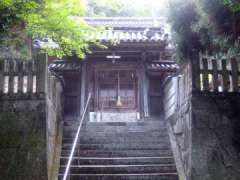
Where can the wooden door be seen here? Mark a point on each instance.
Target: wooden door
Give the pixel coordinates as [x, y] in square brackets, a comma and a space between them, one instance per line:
[117, 90]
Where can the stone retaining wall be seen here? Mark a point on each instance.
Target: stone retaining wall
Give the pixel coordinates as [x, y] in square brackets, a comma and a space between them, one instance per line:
[215, 136]
[204, 129]
[30, 120]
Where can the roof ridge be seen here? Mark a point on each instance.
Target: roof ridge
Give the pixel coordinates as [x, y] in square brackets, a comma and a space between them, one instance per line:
[125, 18]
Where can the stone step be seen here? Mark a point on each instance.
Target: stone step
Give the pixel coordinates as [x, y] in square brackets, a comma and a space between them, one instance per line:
[136, 135]
[119, 150]
[120, 169]
[142, 176]
[116, 140]
[116, 130]
[118, 160]
[101, 128]
[117, 124]
[119, 153]
[120, 146]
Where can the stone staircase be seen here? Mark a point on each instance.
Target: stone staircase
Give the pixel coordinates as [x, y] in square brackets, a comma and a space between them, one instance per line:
[119, 151]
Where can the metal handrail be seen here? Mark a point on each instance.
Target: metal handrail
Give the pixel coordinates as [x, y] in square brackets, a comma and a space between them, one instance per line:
[76, 139]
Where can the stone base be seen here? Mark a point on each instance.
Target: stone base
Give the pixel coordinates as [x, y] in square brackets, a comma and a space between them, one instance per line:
[114, 116]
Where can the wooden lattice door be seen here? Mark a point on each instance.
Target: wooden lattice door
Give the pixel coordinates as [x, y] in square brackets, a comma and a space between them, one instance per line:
[117, 90]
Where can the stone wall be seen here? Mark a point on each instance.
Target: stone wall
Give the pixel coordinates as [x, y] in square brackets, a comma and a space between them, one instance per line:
[23, 139]
[30, 120]
[54, 125]
[177, 107]
[23, 119]
[215, 136]
[204, 129]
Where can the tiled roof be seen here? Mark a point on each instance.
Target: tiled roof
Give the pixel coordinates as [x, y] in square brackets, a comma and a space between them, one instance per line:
[126, 22]
[65, 66]
[162, 66]
[131, 36]
[131, 29]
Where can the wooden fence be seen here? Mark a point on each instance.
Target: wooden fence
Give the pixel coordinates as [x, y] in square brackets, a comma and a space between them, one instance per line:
[19, 77]
[216, 75]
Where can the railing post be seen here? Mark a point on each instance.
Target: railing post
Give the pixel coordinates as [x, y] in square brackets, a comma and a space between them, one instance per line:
[11, 77]
[215, 75]
[1, 76]
[225, 76]
[30, 77]
[41, 73]
[195, 61]
[234, 66]
[205, 75]
[6, 70]
[20, 77]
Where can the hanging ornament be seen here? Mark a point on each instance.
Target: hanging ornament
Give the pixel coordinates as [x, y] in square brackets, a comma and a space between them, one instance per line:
[119, 102]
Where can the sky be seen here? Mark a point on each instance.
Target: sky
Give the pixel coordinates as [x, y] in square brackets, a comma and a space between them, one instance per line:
[139, 7]
[150, 3]
[154, 5]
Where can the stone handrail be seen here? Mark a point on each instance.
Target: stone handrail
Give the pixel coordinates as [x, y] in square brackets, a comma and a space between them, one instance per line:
[23, 78]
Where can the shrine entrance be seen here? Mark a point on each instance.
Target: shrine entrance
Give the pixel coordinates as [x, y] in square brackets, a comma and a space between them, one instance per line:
[116, 95]
[117, 90]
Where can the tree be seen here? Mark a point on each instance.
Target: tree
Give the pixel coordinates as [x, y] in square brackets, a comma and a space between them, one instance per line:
[233, 4]
[215, 24]
[57, 20]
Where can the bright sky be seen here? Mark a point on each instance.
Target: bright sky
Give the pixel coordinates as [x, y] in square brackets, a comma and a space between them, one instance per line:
[150, 3]
[154, 5]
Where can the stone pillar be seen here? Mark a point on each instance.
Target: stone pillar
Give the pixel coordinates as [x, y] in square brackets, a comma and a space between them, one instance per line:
[42, 70]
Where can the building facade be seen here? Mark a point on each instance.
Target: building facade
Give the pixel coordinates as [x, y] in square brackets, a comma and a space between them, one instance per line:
[125, 78]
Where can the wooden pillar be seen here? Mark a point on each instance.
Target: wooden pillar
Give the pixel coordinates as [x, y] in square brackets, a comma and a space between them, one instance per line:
[83, 86]
[145, 88]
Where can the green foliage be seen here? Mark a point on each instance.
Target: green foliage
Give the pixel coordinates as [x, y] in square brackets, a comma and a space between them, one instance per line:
[60, 21]
[12, 13]
[12, 35]
[233, 4]
[208, 26]
[182, 20]
[53, 19]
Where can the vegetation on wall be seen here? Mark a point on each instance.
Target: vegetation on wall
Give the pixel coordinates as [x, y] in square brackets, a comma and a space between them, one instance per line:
[208, 26]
